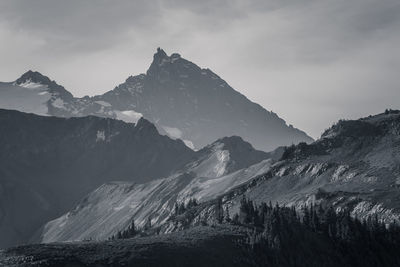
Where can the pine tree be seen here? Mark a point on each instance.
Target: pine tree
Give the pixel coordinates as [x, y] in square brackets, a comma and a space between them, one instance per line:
[227, 216]
[219, 212]
[147, 225]
[235, 219]
[132, 229]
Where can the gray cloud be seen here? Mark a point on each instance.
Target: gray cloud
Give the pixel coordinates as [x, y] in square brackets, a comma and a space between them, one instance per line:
[310, 61]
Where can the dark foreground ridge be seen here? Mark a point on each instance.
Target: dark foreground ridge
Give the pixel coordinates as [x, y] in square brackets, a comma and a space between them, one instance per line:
[48, 164]
[259, 235]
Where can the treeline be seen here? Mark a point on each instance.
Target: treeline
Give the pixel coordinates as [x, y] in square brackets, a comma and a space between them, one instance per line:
[283, 236]
[181, 208]
[128, 233]
[132, 231]
[336, 225]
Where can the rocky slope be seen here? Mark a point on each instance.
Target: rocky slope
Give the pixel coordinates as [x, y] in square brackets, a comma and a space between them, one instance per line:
[214, 170]
[180, 98]
[354, 166]
[49, 163]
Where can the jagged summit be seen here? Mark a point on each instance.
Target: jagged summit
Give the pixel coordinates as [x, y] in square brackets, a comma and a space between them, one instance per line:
[161, 62]
[33, 76]
[160, 53]
[183, 100]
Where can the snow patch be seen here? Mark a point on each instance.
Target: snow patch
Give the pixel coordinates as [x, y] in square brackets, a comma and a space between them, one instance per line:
[173, 132]
[189, 144]
[31, 85]
[130, 116]
[100, 136]
[103, 103]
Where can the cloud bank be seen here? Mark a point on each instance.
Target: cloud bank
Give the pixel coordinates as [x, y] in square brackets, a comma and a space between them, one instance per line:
[312, 62]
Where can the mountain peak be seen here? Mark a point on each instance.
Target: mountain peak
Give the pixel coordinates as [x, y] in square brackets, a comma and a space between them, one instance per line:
[160, 53]
[33, 76]
[233, 143]
[161, 61]
[241, 153]
[36, 77]
[231, 140]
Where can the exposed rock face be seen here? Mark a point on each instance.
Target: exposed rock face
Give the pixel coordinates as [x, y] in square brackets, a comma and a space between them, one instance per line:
[354, 166]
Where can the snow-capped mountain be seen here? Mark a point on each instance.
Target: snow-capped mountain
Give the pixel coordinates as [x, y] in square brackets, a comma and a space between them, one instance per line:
[196, 105]
[49, 163]
[216, 169]
[34, 93]
[183, 100]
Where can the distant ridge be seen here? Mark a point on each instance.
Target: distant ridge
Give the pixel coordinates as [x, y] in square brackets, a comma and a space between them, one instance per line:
[183, 100]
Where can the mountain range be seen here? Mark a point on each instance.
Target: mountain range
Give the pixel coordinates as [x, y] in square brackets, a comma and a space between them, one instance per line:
[337, 197]
[171, 167]
[183, 100]
[354, 166]
[49, 163]
[76, 144]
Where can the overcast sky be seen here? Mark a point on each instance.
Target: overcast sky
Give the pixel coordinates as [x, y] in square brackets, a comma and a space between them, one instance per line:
[311, 62]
